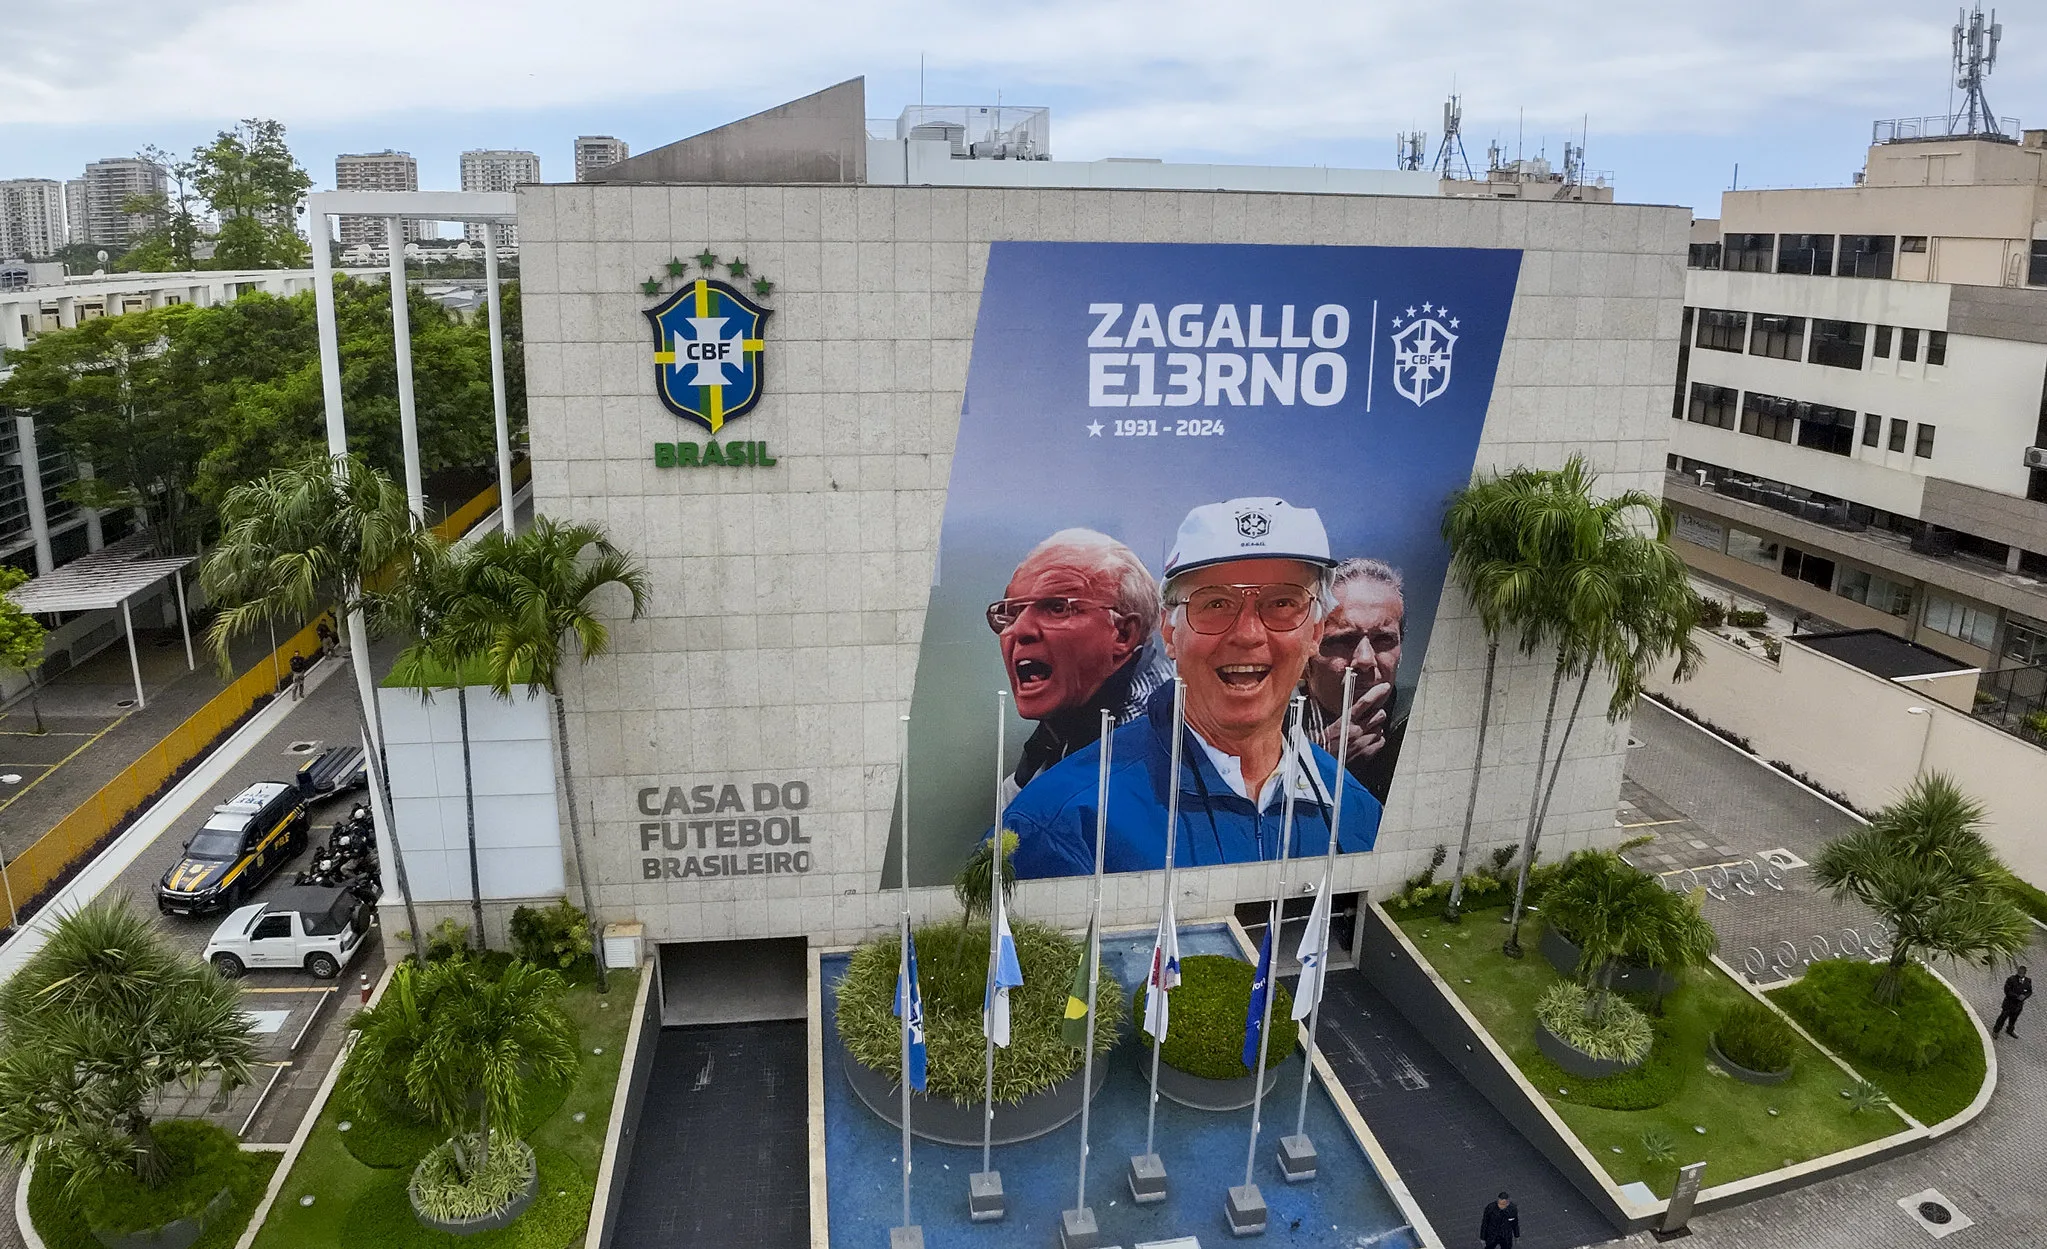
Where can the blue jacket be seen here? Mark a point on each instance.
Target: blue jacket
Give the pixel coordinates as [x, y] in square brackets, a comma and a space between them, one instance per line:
[1054, 817]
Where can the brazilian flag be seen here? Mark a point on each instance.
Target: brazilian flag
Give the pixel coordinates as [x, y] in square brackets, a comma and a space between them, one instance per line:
[1073, 1029]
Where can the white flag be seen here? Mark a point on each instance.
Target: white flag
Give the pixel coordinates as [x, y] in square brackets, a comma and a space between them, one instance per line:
[1004, 973]
[1165, 973]
[1309, 990]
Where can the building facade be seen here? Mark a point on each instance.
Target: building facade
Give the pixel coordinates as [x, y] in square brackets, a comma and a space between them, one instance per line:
[74, 211]
[796, 590]
[491, 170]
[1862, 402]
[32, 218]
[598, 151]
[375, 171]
[109, 187]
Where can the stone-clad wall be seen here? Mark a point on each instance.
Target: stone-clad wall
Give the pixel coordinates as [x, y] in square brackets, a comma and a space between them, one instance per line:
[788, 601]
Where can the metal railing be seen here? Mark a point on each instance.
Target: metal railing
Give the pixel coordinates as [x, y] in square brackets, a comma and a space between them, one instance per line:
[1939, 126]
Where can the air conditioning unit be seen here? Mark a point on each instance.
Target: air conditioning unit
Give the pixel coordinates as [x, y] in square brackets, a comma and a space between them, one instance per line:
[2036, 457]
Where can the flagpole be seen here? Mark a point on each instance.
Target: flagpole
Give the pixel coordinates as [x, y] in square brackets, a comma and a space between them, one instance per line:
[1151, 1113]
[903, 976]
[1246, 1208]
[984, 1190]
[1077, 1226]
[1328, 882]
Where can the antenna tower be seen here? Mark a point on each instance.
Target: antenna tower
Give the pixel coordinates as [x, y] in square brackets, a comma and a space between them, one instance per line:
[1409, 149]
[1975, 55]
[1453, 141]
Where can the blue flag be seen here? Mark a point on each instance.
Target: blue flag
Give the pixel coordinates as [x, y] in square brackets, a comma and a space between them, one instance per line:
[913, 1019]
[1254, 1018]
[1004, 973]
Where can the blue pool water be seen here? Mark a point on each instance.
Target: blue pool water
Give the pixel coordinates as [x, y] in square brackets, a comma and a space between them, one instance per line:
[1345, 1207]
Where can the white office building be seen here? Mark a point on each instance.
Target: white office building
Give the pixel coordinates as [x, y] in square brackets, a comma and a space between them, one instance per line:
[497, 170]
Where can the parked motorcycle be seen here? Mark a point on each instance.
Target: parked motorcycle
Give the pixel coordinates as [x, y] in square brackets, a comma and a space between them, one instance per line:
[348, 857]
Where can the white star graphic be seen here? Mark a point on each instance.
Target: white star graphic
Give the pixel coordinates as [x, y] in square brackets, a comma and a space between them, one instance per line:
[1427, 308]
[1094, 429]
[1397, 321]
[1453, 323]
[1410, 310]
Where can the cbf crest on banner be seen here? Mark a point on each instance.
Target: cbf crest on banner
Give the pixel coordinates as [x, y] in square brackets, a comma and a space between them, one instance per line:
[1421, 353]
[709, 352]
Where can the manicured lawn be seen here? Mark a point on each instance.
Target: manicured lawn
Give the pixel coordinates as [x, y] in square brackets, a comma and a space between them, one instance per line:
[246, 1172]
[361, 1207]
[1941, 1089]
[1742, 1136]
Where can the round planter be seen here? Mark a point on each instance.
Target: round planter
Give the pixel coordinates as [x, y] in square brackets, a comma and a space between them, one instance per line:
[1577, 1061]
[1202, 1093]
[487, 1222]
[1740, 1072]
[946, 1121]
[1564, 955]
[176, 1234]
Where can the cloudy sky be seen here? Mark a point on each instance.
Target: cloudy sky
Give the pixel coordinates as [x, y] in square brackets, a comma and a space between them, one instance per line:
[1672, 95]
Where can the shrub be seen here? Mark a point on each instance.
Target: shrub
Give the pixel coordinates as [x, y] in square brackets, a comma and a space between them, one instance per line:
[1206, 1034]
[1752, 1035]
[2036, 723]
[1712, 612]
[1657, 1146]
[1653, 1083]
[1750, 618]
[1835, 999]
[441, 1190]
[2030, 899]
[1620, 1033]
[449, 939]
[952, 967]
[557, 936]
[202, 1158]
[1866, 1096]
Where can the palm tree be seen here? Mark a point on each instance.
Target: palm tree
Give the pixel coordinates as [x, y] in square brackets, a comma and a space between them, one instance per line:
[1923, 866]
[97, 1024]
[298, 541]
[1615, 913]
[463, 1046]
[525, 602]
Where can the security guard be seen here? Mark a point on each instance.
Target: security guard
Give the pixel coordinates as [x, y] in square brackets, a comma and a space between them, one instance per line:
[1246, 589]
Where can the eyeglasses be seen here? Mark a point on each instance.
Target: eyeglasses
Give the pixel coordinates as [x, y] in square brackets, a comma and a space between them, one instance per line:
[1057, 608]
[1282, 607]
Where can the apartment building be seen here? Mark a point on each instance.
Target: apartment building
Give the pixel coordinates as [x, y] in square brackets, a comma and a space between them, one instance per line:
[375, 171]
[109, 187]
[74, 210]
[32, 218]
[498, 170]
[598, 151]
[1860, 424]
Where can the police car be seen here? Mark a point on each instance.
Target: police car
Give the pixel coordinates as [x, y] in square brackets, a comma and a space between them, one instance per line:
[238, 849]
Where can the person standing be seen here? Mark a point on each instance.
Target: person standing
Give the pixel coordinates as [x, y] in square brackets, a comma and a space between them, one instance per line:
[1500, 1225]
[2017, 988]
[298, 676]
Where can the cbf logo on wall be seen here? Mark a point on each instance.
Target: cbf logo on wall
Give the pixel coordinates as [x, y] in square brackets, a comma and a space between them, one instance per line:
[710, 350]
[1421, 353]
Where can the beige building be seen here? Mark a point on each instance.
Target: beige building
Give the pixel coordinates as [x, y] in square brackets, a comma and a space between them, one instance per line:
[376, 171]
[1860, 416]
[32, 217]
[109, 187]
[491, 170]
[598, 151]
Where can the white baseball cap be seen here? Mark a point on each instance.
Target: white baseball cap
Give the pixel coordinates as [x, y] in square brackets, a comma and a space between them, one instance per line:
[1216, 533]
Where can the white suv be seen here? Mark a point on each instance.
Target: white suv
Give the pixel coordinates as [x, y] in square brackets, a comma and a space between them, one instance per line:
[304, 926]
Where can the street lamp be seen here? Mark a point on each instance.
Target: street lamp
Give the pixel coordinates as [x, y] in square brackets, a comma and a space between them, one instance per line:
[1925, 739]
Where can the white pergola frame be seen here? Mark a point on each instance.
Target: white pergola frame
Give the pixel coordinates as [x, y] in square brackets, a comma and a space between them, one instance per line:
[107, 578]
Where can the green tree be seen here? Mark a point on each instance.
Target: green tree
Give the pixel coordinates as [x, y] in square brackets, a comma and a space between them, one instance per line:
[1923, 866]
[97, 1024]
[306, 539]
[463, 1046]
[22, 638]
[173, 232]
[1615, 913]
[255, 187]
[529, 605]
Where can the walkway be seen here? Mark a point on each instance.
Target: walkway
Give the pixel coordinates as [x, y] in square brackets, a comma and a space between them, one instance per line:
[1990, 1170]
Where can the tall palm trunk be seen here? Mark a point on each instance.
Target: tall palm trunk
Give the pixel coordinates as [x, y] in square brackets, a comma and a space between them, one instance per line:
[469, 802]
[1512, 946]
[1485, 712]
[561, 736]
[1542, 812]
[367, 710]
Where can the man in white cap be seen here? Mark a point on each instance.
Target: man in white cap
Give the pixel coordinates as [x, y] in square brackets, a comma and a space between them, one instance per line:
[1246, 595]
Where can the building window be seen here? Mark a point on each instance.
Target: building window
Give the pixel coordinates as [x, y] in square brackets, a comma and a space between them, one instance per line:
[1974, 625]
[1874, 590]
[1838, 344]
[1923, 449]
[1814, 570]
[2025, 641]
[1826, 429]
[1781, 338]
[1722, 330]
[1704, 256]
[1872, 430]
[1881, 347]
[1912, 243]
[1748, 253]
[1684, 368]
[1936, 346]
[1908, 344]
[1865, 256]
[1898, 429]
[1806, 253]
[1767, 416]
[1714, 405]
[1753, 548]
[2036, 266]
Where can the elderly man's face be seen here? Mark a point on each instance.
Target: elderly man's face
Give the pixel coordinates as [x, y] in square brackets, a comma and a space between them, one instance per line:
[1362, 633]
[1239, 680]
[1057, 662]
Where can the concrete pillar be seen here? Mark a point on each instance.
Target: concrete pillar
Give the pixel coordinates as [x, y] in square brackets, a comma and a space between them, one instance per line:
[32, 491]
[2011, 559]
[94, 537]
[13, 333]
[401, 337]
[67, 312]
